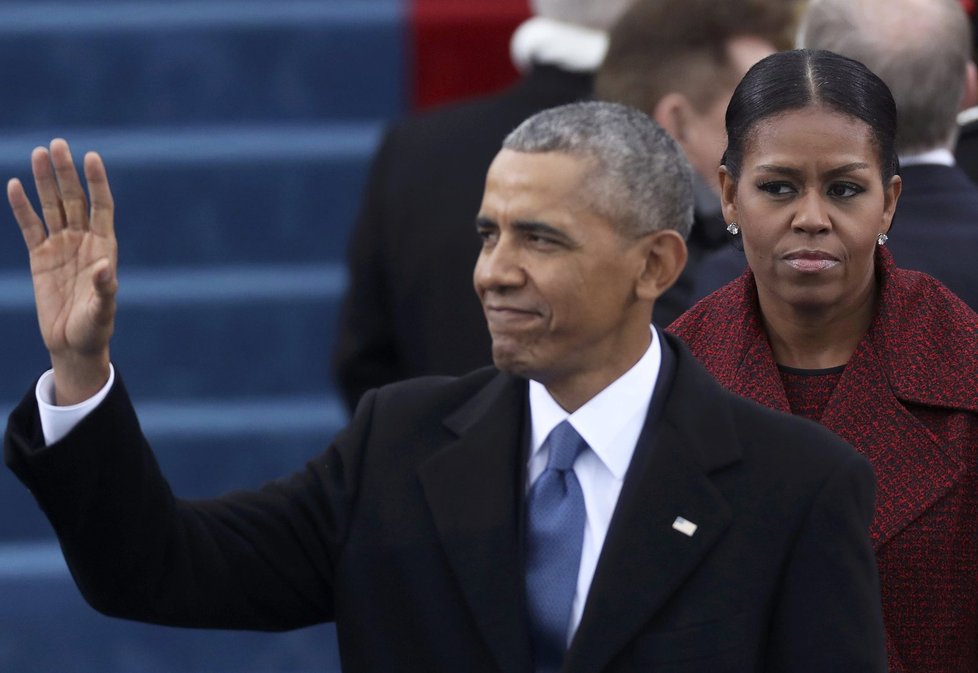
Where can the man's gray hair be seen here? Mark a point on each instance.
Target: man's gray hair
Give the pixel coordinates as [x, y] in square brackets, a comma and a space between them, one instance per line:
[596, 14]
[919, 48]
[640, 180]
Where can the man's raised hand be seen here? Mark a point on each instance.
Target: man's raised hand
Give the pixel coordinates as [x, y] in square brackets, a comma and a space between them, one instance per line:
[73, 264]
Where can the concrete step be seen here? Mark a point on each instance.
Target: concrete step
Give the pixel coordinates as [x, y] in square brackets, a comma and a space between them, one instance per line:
[188, 334]
[206, 448]
[45, 626]
[136, 63]
[217, 195]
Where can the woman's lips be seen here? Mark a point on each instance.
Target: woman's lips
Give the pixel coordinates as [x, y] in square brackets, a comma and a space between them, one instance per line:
[810, 261]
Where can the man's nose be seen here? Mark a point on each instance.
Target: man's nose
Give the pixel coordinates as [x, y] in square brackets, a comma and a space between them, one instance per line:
[499, 266]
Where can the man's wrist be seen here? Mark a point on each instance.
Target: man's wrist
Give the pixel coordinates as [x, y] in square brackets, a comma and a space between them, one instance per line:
[58, 421]
[77, 379]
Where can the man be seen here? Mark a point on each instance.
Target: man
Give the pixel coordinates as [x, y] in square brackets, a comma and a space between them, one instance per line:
[922, 50]
[679, 61]
[966, 149]
[408, 310]
[597, 503]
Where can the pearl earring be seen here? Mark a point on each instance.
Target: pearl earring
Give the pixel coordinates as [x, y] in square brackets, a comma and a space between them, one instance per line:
[733, 228]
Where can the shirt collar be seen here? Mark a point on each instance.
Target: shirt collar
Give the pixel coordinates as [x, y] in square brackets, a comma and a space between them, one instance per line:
[939, 156]
[604, 421]
[544, 41]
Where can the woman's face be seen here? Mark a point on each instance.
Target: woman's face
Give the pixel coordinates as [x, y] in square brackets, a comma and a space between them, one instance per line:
[810, 204]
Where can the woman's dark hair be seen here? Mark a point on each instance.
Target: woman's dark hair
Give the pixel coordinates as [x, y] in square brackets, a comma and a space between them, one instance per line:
[792, 80]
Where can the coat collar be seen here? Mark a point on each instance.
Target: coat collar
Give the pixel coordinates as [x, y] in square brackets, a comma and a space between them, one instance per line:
[922, 337]
[474, 491]
[644, 557]
[918, 350]
[474, 488]
[926, 339]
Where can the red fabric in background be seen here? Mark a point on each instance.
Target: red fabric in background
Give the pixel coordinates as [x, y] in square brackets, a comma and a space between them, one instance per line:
[460, 48]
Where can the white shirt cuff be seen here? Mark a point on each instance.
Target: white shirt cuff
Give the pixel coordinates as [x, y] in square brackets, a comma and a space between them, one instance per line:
[56, 422]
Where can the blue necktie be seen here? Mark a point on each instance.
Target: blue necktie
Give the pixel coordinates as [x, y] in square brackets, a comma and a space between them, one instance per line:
[555, 533]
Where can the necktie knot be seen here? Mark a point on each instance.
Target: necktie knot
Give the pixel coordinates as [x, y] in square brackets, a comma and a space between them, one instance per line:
[565, 446]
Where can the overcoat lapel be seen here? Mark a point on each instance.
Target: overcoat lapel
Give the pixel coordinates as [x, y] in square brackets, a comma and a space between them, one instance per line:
[644, 558]
[910, 478]
[474, 489]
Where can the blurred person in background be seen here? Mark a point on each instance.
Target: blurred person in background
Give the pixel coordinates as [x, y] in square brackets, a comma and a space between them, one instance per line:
[966, 150]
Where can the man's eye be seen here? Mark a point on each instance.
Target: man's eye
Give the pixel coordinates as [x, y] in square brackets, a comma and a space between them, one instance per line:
[488, 237]
[844, 190]
[539, 241]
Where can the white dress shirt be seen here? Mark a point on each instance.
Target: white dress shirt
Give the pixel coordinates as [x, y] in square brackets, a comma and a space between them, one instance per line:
[56, 422]
[610, 423]
[939, 156]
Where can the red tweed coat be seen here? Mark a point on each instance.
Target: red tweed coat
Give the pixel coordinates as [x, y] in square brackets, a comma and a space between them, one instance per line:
[907, 400]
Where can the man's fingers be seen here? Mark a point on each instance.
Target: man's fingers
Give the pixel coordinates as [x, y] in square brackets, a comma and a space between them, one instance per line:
[106, 284]
[31, 226]
[103, 208]
[104, 278]
[73, 199]
[47, 190]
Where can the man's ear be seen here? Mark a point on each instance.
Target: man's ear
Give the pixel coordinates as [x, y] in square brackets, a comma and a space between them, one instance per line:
[728, 192]
[665, 258]
[969, 97]
[672, 114]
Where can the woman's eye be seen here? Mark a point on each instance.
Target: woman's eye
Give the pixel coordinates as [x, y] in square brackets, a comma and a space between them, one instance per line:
[844, 190]
[776, 188]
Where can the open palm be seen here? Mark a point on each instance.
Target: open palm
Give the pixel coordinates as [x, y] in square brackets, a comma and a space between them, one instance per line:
[73, 264]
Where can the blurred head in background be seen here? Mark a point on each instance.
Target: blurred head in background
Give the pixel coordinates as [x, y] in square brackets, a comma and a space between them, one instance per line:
[679, 61]
[921, 49]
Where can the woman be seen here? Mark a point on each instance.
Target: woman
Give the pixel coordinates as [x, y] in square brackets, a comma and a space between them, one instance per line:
[822, 324]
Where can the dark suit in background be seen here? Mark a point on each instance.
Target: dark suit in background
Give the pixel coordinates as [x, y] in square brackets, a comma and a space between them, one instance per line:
[966, 149]
[407, 533]
[410, 309]
[935, 230]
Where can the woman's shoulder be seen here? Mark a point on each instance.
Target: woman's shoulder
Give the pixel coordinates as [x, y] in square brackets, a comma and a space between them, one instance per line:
[717, 314]
[928, 337]
[915, 301]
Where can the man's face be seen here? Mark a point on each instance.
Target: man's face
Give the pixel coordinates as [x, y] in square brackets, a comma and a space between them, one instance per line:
[556, 279]
[705, 139]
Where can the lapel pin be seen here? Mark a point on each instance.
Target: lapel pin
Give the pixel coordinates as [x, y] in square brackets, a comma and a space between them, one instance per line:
[685, 527]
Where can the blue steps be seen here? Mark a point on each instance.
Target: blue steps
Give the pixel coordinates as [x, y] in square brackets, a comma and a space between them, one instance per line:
[216, 195]
[53, 629]
[187, 62]
[236, 135]
[227, 338]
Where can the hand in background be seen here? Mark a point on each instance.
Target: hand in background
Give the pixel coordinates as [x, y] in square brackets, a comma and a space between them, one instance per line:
[73, 264]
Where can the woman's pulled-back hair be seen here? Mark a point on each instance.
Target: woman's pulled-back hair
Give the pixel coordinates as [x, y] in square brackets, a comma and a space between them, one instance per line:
[792, 80]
